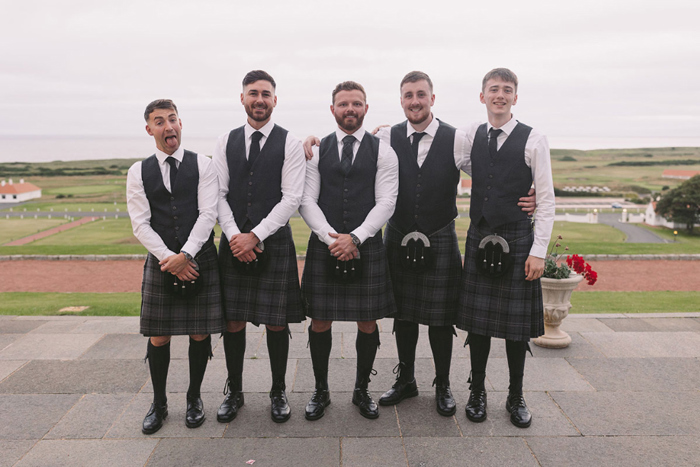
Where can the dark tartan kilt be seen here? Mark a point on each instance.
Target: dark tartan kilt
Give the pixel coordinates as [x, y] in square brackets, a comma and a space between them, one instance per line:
[270, 297]
[163, 314]
[508, 307]
[368, 299]
[431, 296]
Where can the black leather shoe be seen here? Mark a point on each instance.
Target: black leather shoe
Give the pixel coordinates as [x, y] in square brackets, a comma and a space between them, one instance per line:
[279, 406]
[194, 416]
[362, 398]
[154, 419]
[476, 406]
[520, 415]
[399, 391]
[318, 403]
[444, 401]
[229, 407]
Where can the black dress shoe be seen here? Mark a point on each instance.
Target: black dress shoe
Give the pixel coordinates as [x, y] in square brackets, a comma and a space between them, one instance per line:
[318, 403]
[194, 416]
[362, 398]
[399, 391]
[154, 419]
[520, 415]
[476, 406]
[279, 406]
[444, 401]
[229, 407]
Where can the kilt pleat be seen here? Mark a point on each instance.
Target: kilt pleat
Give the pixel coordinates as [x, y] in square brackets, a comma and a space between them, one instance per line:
[429, 297]
[507, 307]
[368, 299]
[163, 314]
[271, 297]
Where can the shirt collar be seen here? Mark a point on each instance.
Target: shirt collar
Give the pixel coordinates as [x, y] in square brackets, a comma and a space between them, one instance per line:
[358, 134]
[431, 129]
[178, 155]
[265, 130]
[507, 128]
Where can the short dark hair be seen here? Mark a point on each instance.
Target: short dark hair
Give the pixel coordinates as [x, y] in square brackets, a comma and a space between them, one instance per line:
[504, 73]
[414, 77]
[159, 104]
[257, 75]
[348, 86]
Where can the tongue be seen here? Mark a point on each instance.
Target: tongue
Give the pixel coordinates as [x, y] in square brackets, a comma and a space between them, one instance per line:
[171, 141]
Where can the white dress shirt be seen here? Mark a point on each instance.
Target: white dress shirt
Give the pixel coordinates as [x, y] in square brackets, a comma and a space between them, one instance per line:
[140, 210]
[462, 150]
[386, 188]
[293, 174]
[537, 158]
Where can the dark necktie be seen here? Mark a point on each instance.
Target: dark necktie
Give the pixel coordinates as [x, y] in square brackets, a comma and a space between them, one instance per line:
[173, 172]
[416, 139]
[493, 141]
[346, 161]
[254, 147]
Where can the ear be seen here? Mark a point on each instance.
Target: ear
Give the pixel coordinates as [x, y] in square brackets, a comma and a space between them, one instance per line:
[332, 109]
[241, 98]
[366, 107]
[481, 98]
[515, 99]
[180, 122]
[148, 130]
[275, 102]
[432, 100]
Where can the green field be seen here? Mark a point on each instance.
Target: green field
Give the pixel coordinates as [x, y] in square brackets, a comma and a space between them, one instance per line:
[13, 229]
[87, 189]
[101, 304]
[635, 302]
[99, 232]
[69, 206]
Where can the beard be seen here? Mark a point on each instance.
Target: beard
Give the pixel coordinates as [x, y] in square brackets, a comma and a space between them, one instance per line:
[417, 119]
[251, 113]
[350, 127]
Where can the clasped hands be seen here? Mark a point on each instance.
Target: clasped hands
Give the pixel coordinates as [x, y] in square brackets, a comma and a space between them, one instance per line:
[244, 246]
[343, 248]
[179, 266]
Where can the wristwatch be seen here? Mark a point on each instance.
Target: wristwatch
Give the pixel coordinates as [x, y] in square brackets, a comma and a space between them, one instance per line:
[356, 241]
[187, 255]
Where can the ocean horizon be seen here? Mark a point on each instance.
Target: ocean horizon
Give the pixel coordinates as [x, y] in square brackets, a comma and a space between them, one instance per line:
[74, 148]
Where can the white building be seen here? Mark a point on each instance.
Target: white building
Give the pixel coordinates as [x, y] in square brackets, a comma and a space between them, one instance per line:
[17, 192]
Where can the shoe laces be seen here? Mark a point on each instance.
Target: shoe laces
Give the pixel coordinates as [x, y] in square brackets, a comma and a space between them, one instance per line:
[517, 400]
[317, 395]
[475, 395]
[227, 387]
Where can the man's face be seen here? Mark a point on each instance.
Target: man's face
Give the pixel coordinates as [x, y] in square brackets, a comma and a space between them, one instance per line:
[416, 100]
[499, 96]
[165, 127]
[259, 99]
[349, 109]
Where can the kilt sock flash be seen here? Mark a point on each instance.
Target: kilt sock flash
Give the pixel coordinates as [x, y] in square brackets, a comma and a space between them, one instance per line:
[199, 354]
[234, 348]
[406, 334]
[158, 363]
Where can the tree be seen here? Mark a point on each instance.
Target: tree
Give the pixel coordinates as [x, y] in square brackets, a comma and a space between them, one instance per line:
[682, 204]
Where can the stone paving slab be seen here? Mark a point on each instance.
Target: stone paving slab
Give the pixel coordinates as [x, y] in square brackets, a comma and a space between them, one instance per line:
[55, 327]
[645, 344]
[674, 324]
[551, 374]
[640, 374]
[77, 377]
[362, 452]
[419, 418]
[7, 339]
[629, 325]
[266, 452]
[31, 416]
[620, 451]
[458, 452]
[12, 326]
[12, 451]
[127, 325]
[49, 346]
[7, 367]
[117, 346]
[579, 348]
[91, 417]
[89, 452]
[572, 324]
[632, 413]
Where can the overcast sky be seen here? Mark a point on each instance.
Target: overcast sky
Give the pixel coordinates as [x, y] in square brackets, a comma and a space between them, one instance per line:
[594, 69]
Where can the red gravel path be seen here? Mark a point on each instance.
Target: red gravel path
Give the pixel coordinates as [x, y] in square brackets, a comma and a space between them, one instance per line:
[125, 276]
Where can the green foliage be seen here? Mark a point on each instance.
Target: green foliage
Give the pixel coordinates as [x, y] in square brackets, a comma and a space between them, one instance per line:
[634, 302]
[554, 271]
[682, 204]
[648, 163]
[568, 159]
[48, 304]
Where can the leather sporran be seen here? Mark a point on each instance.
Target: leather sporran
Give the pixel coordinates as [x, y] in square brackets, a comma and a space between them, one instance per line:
[415, 252]
[253, 267]
[493, 257]
[183, 289]
[346, 272]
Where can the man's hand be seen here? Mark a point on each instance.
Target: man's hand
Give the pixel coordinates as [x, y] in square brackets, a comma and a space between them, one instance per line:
[527, 203]
[178, 265]
[309, 143]
[343, 248]
[534, 267]
[244, 245]
[376, 130]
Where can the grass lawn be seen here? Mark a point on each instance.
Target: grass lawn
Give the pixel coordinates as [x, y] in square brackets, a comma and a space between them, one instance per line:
[86, 189]
[101, 304]
[13, 229]
[635, 302]
[72, 206]
[99, 232]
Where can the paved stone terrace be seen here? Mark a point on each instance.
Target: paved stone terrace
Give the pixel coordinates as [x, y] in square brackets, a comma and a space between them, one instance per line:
[73, 391]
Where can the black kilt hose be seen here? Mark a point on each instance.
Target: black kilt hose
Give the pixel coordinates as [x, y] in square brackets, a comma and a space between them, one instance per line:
[270, 297]
[429, 297]
[368, 299]
[508, 307]
[163, 314]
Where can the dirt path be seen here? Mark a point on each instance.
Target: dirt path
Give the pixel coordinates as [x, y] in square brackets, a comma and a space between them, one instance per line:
[54, 230]
[125, 276]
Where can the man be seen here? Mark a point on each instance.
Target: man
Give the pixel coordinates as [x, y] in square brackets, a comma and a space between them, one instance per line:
[350, 193]
[172, 197]
[261, 171]
[504, 258]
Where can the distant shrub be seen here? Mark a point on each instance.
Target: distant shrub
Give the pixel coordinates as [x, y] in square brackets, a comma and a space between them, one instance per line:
[568, 159]
[60, 196]
[590, 166]
[648, 155]
[665, 187]
[648, 163]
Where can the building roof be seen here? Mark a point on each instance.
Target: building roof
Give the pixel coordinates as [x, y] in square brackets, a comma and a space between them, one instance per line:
[9, 188]
[680, 173]
[466, 183]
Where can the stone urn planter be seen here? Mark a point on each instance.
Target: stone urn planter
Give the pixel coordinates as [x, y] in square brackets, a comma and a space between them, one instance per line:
[556, 295]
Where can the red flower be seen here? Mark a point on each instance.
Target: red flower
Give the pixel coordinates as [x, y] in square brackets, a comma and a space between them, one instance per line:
[577, 263]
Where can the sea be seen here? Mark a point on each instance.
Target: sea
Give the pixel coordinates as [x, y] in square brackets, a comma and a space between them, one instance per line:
[65, 148]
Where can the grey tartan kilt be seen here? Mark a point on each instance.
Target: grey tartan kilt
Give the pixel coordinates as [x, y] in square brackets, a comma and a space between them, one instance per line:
[369, 299]
[163, 314]
[429, 297]
[271, 297]
[508, 307]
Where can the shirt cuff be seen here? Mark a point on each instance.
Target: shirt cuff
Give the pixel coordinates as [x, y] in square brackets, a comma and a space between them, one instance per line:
[538, 251]
[260, 232]
[361, 233]
[191, 248]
